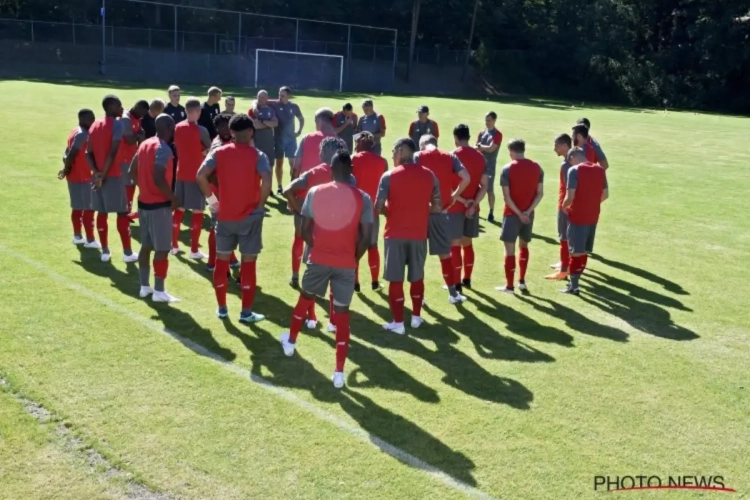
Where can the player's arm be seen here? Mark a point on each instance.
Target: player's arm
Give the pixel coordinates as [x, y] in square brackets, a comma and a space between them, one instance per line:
[133, 170]
[205, 139]
[274, 121]
[127, 131]
[116, 138]
[383, 191]
[293, 188]
[436, 204]
[90, 159]
[257, 122]
[300, 119]
[341, 127]
[263, 167]
[600, 156]
[70, 154]
[437, 129]
[161, 162]
[539, 193]
[463, 175]
[497, 139]
[411, 131]
[572, 184]
[306, 229]
[605, 192]
[297, 164]
[505, 184]
[381, 129]
[206, 170]
[365, 226]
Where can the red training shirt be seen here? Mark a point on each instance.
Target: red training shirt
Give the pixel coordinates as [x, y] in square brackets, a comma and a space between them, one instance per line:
[190, 141]
[445, 166]
[310, 147]
[153, 152]
[522, 177]
[474, 163]
[81, 172]
[238, 169]
[102, 134]
[407, 190]
[368, 168]
[589, 181]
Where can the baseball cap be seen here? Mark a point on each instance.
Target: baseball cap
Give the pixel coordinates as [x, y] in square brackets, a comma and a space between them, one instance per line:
[172, 88]
[423, 109]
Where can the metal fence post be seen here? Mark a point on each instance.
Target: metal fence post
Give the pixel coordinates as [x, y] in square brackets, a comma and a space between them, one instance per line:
[348, 52]
[149, 38]
[175, 28]
[74, 33]
[395, 52]
[296, 38]
[32, 31]
[239, 35]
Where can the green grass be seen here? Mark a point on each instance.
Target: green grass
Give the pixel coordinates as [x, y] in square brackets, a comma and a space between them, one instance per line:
[520, 397]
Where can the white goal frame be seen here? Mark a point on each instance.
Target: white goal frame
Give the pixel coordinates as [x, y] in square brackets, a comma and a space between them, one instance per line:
[341, 58]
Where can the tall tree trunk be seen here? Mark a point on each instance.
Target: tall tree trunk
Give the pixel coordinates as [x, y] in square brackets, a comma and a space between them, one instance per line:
[413, 38]
[471, 37]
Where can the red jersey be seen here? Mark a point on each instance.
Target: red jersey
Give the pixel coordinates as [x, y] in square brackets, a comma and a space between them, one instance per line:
[310, 146]
[445, 166]
[474, 163]
[238, 169]
[126, 151]
[409, 189]
[81, 172]
[153, 152]
[314, 177]
[189, 143]
[102, 134]
[336, 209]
[368, 168]
[589, 181]
[522, 177]
[564, 168]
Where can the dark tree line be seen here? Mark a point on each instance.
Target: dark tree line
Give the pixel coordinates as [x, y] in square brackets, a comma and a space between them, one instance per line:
[685, 53]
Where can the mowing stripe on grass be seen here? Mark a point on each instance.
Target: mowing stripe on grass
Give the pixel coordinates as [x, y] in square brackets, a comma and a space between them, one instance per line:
[322, 414]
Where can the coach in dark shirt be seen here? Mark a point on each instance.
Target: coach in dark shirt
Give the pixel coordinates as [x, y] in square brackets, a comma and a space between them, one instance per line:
[210, 110]
[174, 108]
[147, 122]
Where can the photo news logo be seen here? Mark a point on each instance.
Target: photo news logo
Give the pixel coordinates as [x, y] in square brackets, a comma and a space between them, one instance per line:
[654, 482]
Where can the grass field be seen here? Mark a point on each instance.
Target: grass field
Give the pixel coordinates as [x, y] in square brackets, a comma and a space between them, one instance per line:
[104, 395]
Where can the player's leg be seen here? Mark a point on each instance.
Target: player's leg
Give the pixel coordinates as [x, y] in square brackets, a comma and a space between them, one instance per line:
[440, 245]
[342, 290]
[394, 273]
[77, 206]
[144, 254]
[160, 231]
[590, 240]
[578, 236]
[279, 156]
[116, 201]
[562, 234]
[491, 197]
[314, 282]
[373, 254]
[416, 259]
[298, 248]
[177, 215]
[455, 232]
[226, 241]
[129, 189]
[509, 235]
[471, 231]
[251, 244]
[102, 221]
[524, 238]
[195, 201]
[212, 245]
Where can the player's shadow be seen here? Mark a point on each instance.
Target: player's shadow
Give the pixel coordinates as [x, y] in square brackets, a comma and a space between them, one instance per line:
[635, 291]
[269, 364]
[177, 323]
[461, 371]
[668, 285]
[643, 316]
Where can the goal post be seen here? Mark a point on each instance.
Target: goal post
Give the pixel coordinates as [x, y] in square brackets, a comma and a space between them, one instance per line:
[305, 70]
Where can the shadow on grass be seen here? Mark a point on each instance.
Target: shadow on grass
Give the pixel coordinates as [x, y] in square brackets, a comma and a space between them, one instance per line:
[635, 291]
[669, 286]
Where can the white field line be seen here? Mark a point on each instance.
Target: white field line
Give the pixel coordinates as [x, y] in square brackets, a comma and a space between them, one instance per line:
[322, 414]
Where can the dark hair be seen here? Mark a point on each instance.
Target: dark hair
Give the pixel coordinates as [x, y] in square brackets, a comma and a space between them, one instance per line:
[584, 121]
[109, 100]
[84, 113]
[367, 102]
[461, 132]
[364, 141]
[517, 146]
[492, 115]
[347, 106]
[405, 142]
[581, 129]
[241, 122]
[229, 98]
[329, 146]
[142, 104]
[192, 103]
[341, 159]
[222, 118]
[564, 139]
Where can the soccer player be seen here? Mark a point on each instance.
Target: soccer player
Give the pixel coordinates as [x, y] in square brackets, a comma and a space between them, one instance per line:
[563, 145]
[368, 168]
[285, 134]
[446, 228]
[336, 226]
[488, 143]
[345, 122]
[407, 195]
[152, 171]
[173, 107]
[109, 196]
[592, 149]
[265, 121]
[308, 156]
[423, 125]
[210, 110]
[192, 143]
[229, 103]
[586, 190]
[78, 174]
[372, 122]
[155, 108]
[475, 164]
[244, 183]
[132, 135]
[522, 181]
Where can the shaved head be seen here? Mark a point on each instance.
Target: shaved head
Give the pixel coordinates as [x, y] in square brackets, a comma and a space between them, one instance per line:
[262, 98]
[164, 127]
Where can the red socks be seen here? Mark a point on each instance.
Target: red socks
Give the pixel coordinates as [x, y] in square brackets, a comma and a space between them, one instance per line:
[396, 300]
[298, 316]
[523, 262]
[373, 259]
[584, 262]
[102, 227]
[220, 282]
[416, 290]
[342, 340]
[446, 265]
[212, 247]
[76, 217]
[298, 248]
[311, 312]
[468, 261]
[123, 227]
[248, 279]
[160, 268]
[88, 224]
[564, 255]
[130, 192]
[196, 226]
[176, 221]
[576, 264]
[510, 270]
[457, 264]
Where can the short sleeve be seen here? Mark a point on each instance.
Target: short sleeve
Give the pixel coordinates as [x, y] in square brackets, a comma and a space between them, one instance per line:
[383, 189]
[127, 126]
[205, 136]
[572, 178]
[359, 124]
[381, 121]
[606, 184]
[437, 130]
[263, 166]
[79, 139]
[116, 131]
[457, 165]
[307, 205]
[366, 217]
[599, 153]
[436, 190]
[297, 111]
[411, 130]
[300, 148]
[163, 155]
[302, 181]
[210, 160]
[251, 114]
[541, 175]
[505, 176]
[497, 137]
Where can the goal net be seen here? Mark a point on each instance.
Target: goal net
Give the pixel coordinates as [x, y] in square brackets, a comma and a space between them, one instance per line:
[301, 70]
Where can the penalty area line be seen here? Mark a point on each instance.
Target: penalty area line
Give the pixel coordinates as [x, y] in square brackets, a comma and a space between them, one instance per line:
[342, 425]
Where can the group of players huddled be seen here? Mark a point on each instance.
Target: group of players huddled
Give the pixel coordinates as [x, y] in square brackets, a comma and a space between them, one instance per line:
[186, 158]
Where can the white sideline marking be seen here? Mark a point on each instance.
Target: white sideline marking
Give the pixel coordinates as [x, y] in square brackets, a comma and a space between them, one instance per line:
[322, 414]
